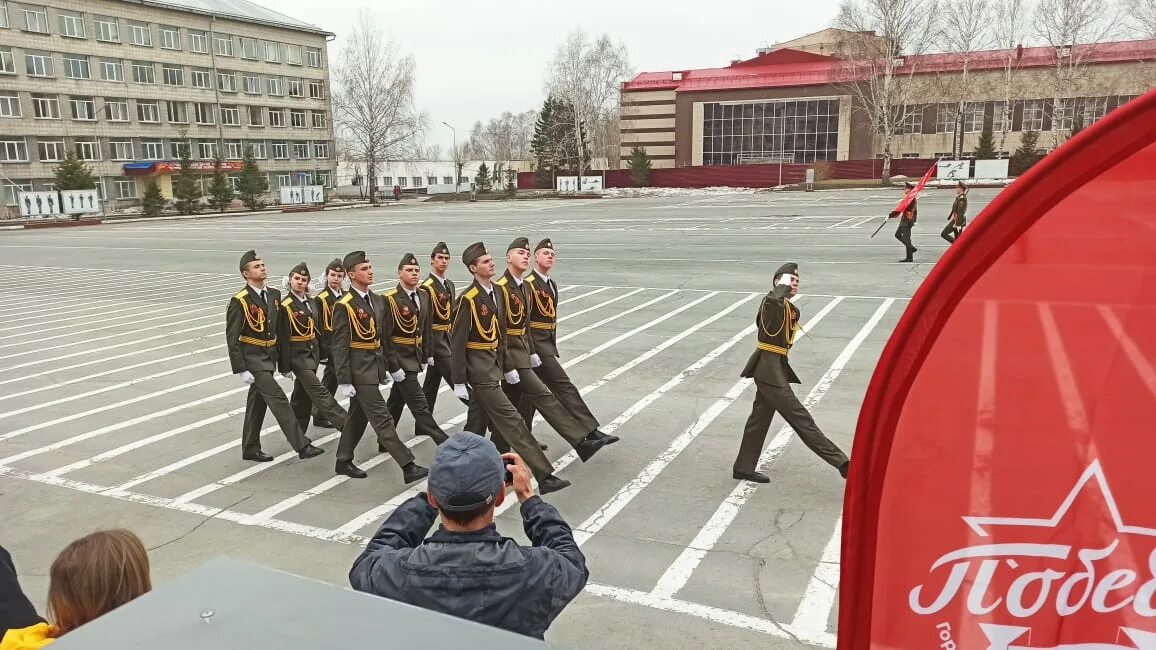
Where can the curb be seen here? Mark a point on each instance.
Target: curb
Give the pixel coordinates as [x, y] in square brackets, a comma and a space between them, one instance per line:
[177, 217]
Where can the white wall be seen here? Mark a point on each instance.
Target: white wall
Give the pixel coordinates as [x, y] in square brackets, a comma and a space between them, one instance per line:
[423, 170]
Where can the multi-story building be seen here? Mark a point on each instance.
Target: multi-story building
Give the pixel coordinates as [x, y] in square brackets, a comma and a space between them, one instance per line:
[797, 102]
[126, 84]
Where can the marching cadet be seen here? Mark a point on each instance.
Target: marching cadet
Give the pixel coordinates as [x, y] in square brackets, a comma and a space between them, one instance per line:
[477, 339]
[437, 298]
[326, 299]
[958, 217]
[360, 324]
[544, 329]
[906, 222]
[301, 352]
[405, 355]
[778, 324]
[251, 325]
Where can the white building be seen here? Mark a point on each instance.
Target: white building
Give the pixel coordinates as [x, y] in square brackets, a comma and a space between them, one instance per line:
[417, 176]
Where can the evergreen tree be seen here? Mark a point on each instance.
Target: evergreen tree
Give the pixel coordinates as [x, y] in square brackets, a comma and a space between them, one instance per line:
[73, 174]
[482, 179]
[543, 146]
[639, 167]
[985, 149]
[1025, 156]
[153, 202]
[220, 190]
[186, 185]
[252, 184]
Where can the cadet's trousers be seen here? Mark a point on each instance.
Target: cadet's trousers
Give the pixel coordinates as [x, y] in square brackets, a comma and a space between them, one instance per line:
[409, 393]
[531, 393]
[951, 231]
[329, 381]
[442, 368]
[311, 397]
[903, 234]
[505, 420]
[554, 376]
[768, 400]
[369, 405]
[265, 391]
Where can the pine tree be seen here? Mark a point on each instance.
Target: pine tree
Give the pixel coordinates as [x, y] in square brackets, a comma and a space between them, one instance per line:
[73, 174]
[985, 148]
[220, 190]
[1025, 156]
[482, 179]
[639, 167]
[252, 184]
[543, 146]
[153, 202]
[187, 185]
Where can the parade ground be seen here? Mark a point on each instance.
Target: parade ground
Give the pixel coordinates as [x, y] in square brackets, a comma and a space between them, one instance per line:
[118, 407]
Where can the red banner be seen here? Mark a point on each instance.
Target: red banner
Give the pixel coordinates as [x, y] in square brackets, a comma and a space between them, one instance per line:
[914, 191]
[1000, 494]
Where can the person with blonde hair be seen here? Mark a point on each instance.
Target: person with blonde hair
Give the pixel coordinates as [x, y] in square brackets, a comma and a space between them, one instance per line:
[91, 577]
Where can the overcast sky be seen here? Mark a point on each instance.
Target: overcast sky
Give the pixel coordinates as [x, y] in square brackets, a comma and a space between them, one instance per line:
[476, 59]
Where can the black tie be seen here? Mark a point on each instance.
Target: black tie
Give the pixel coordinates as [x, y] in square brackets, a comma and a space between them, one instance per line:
[263, 298]
[368, 303]
[413, 299]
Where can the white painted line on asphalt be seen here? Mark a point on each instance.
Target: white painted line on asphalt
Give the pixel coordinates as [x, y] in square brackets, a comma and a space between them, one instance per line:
[818, 600]
[1131, 350]
[601, 304]
[134, 341]
[1065, 376]
[191, 298]
[616, 316]
[679, 572]
[603, 515]
[165, 313]
[583, 295]
[85, 302]
[103, 373]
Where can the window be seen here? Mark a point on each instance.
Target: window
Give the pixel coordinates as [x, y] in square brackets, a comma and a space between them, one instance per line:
[1094, 109]
[36, 19]
[179, 147]
[38, 64]
[227, 82]
[272, 52]
[207, 149]
[83, 108]
[205, 113]
[233, 150]
[88, 149]
[143, 73]
[148, 110]
[152, 149]
[319, 119]
[71, 24]
[230, 116]
[170, 37]
[789, 130]
[912, 119]
[321, 150]
[3, 14]
[280, 151]
[293, 54]
[297, 119]
[295, 88]
[255, 115]
[301, 150]
[234, 182]
[910, 155]
[198, 42]
[116, 109]
[464, 179]
[257, 147]
[251, 84]
[321, 178]
[107, 29]
[13, 150]
[387, 181]
[1033, 115]
[401, 181]
[416, 181]
[1000, 117]
[973, 117]
[178, 112]
[7, 64]
[447, 180]
[316, 90]
[50, 150]
[249, 48]
[46, 107]
[125, 189]
[313, 56]
[202, 78]
[275, 87]
[432, 180]
[120, 149]
[141, 34]
[945, 115]
[10, 187]
[283, 180]
[276, 117]
[75, 66]
[9, 105]
[1064, 116]
[111, 70]
[172, 75]
[223, 44]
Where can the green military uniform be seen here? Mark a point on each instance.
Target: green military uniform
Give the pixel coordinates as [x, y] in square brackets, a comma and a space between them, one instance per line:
[437, 300]
[406, 355]
[324, 302]
[251, 322]
[958, 217]
[778, 324]
[906, 223]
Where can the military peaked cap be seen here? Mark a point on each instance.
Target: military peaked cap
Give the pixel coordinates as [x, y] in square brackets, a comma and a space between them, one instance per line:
[353, 259]
[520, 242]
[302, 269]
[473, 252]
[790, 267]
[407, 260]
[335, 265]
[440, 248]
[249, 256]
[545, 243]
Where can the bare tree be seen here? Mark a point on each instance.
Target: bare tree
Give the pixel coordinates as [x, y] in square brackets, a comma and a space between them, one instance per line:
[373, 99]
[1009, 31]
[587, 76]
[523, 133]
[1142, 17]
[963, 30]
[877, 74]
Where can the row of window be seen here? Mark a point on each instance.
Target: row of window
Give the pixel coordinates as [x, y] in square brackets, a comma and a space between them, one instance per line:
[17, 150]
[149, 111]
[1063, 115]
[404, 181]
[126, 188]
[108, 29]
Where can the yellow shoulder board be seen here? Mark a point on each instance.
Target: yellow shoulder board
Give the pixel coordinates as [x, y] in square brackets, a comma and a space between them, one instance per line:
[346, 298]
[501, 281]
[391, 292]
[241, 294]
[471, 294]
[287, 303]
[529, 278]
[428, 282]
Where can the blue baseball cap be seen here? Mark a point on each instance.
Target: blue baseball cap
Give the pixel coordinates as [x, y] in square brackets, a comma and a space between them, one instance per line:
[467, 473]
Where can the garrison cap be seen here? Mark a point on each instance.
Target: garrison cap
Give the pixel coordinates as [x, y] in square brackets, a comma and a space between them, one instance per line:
[353, 259]
[467, 473]
[790, 267]
[335, 265]
[545, 243]
[249, 256]
[520, 242]
[473, 252]
[302, 269]
[407, 260]
[440, 248]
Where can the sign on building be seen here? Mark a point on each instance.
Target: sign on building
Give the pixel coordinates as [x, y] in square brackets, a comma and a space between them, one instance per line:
[297, 194]
[570, 184]
[992, 169]
[38, 204]
[78, 201]
[953, 170]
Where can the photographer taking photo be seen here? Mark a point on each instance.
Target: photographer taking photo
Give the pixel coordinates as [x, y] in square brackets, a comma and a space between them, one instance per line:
[466, 568]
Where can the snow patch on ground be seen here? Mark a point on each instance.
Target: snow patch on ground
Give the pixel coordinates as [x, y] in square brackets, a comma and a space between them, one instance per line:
[636, 192]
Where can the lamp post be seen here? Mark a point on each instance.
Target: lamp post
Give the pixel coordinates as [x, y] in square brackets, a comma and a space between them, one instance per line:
[457, 170]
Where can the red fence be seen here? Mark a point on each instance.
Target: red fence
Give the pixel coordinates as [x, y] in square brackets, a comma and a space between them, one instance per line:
[752, 175]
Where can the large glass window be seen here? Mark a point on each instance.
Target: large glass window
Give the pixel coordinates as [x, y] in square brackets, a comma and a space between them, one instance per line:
[792, 130]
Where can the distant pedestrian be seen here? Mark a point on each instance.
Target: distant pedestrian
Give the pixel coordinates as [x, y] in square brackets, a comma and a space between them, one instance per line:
[906, 223]
[958, 217]
[396, 193]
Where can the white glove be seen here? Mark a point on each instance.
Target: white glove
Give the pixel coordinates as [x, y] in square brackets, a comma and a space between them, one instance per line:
[429, 361]
[512, 377]
[246, 376]
[535, 360]
[387, 382]
[288, 375]
[461, 392]
[397, 375]
[785, 280]
[346, 390]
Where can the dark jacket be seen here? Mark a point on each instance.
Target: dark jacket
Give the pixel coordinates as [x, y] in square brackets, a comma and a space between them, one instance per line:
[297, 335]
[777, 324]
[543, 314]
[251, 330]
[437, 302]
[519, 341]
[479, 576]
[478, 338]
[16, 611]
[407, 320]
[358, 329]
[959, 210]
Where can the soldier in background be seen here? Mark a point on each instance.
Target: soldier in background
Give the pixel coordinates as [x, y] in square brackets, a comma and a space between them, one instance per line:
[958, 217]
[326, 300]
[906, 223]
[437, 297]
[405, 354]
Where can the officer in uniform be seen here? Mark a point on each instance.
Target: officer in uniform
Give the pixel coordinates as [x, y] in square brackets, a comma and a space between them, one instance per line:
[405, 354]
[477, 339]
[543, 292]
[326, 300]
[437, 297]
[301, 353]
[360, 324]
[251, 324]
[906, 222]
[778, 324]
[958, 217]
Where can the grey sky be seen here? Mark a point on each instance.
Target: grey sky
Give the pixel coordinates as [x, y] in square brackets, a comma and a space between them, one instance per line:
[477, 59]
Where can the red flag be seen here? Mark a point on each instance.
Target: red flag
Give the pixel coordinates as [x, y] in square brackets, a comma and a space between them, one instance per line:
[1001, 491]
[907, 198]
